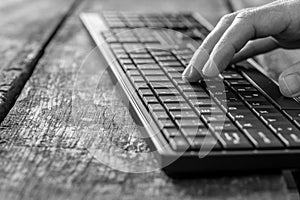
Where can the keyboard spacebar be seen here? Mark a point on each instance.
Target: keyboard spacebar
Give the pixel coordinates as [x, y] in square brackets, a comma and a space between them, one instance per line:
[270, 90]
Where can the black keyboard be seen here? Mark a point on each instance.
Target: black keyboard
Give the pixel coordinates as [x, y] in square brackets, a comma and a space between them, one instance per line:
[239, 120]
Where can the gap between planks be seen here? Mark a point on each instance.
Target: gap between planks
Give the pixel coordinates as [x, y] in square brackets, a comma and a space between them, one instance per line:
[8, 100]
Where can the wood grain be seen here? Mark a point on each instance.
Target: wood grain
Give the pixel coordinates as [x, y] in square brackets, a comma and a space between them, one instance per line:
[25, 28]
[69, 104]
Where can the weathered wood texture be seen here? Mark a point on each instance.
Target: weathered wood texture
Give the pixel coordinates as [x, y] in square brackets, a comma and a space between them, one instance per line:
[69, 104]
[25, 27]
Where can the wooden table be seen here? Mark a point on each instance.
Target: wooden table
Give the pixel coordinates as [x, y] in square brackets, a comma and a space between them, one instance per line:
[50, 125]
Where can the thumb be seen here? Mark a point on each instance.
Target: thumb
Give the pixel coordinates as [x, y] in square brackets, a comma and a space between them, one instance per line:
[289, 81]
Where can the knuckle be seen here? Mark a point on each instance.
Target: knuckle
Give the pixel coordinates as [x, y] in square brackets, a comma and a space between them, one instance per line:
[227, 19]
[246, 14]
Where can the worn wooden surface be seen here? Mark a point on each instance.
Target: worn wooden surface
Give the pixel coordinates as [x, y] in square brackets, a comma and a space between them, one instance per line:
[69, 105]
[25, 28]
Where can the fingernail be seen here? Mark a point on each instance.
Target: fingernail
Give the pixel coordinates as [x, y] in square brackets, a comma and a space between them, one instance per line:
[187, 71]
[292, 84]
[195, 75]
[190, 74]
[210, 68]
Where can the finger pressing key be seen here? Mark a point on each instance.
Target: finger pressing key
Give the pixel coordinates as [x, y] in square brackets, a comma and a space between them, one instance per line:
[194, 70]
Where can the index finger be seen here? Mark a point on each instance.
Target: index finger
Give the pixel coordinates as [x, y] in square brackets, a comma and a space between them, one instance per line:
[201, 56]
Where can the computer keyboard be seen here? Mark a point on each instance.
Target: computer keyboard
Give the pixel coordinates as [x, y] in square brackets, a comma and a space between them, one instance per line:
[240, 118]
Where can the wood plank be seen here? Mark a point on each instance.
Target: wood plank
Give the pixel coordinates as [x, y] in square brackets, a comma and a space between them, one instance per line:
[25, 28]
[67, 106]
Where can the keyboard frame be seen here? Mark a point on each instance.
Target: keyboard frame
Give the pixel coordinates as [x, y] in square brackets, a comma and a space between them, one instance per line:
[188, 162]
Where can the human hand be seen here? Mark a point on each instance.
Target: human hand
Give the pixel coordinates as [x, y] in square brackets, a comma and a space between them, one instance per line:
[247, 33]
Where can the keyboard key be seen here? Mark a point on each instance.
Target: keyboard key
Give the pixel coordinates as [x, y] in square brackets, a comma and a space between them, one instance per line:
[249, 123]
[179, 144]
[177, 106]
[238, 82]
[127, 67]
[293, 138]
[283, 127]
[167, 92]
[157, 78]
[166, 124]
[227, 126]
[175, 75]
[149, 40]
[196, 122]
[158, 114]
[209, 110]
[172, 64]
[200, 131]
[253, 96]
[290, 137]
[294, 115]
[196, 95]
[146, 92]
[273, 118]
[184, 114]
[122, 55]
[287, 132]
[267, 111]
[233, 140]
[160, 53]
[216, 118]
[165, 58]
[174, 69]
[237, 107]
[228, 74]
[163, 85]
[172, 99]
[141, 86]
[179, 81]
[128, 39]
[243, 88]
[204, 143]
[208, 102]
[140, 55]
[260, 104]
[137, 79]
[241, 114]
[134, 72]
[111, 40]
[150, 99]
[171, 132]
[152, 72]
[263, 138]
[191, 88]
[143, 61]
[225, 100]
[148, 66]
[156, 107]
